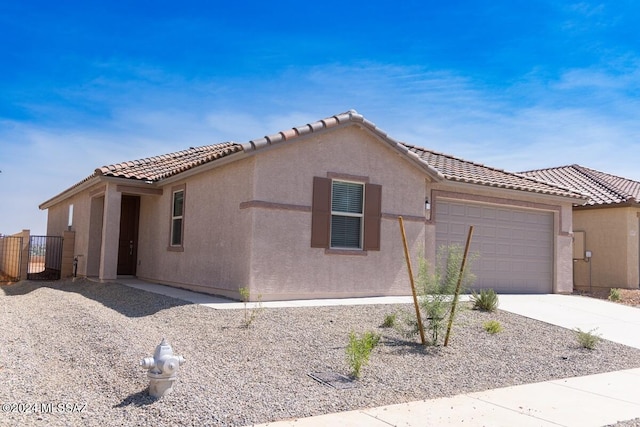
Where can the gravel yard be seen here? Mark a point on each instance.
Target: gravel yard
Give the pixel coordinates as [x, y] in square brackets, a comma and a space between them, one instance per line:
[79, 344]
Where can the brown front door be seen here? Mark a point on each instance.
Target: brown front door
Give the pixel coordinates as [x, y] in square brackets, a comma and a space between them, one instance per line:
[128, 243]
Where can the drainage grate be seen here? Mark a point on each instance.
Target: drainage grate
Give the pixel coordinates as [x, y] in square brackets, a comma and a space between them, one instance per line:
[333, 379]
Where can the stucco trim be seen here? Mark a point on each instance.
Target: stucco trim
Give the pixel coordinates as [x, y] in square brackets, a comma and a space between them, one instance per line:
[346, 176]
[607, 206]
[139, 191]
[272, 205]
[412, 218]
[261, 204]
[356, 252]
[442, 194]
[83, 185]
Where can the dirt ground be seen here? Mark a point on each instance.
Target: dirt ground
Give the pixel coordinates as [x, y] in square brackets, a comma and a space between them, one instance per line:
[630, 297]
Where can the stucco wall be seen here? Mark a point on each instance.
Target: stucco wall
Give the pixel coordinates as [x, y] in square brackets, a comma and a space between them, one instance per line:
[216, 232]
[283, 263]
[57, 224]
[611, 234]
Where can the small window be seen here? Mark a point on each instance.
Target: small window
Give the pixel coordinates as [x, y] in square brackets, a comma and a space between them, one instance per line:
[347, 207]
[177, 217]
[70, 218]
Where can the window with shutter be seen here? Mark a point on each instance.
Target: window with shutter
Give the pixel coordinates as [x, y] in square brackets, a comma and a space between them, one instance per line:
[345, 215]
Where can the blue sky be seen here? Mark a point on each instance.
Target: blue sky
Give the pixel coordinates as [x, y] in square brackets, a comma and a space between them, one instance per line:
[512, 84]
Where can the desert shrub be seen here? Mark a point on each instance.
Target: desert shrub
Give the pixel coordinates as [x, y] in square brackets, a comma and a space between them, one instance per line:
[492, 326]
[436, 288]
[588, 340]
[249, 314]
[614, 294]
[390, 320]
[359, 350]
[486, 300]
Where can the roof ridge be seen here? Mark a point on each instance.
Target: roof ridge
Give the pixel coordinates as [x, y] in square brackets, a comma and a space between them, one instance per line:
[589, 173]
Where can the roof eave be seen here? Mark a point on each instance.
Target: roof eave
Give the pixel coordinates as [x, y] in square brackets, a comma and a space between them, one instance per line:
[562, 197]
[71, 191]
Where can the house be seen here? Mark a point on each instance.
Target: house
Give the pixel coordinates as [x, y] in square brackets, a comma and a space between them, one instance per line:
[311, 212]
[607, 227]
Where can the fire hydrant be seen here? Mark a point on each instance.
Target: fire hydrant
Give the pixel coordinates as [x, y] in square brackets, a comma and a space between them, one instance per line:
[163, 369]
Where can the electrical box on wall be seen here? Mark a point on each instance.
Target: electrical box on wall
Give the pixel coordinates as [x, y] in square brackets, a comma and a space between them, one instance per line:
[579, 244]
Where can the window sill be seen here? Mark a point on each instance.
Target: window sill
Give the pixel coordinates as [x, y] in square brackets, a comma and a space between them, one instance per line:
[175, 248]
[357, 252]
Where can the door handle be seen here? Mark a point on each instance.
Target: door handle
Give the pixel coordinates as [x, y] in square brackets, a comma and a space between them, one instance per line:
[131, 247]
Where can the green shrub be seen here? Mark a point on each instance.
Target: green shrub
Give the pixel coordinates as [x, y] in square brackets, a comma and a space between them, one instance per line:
[614, 294]
[359, 350]
[588, 340]
[486, 300]
[390, 320]
[492, 326]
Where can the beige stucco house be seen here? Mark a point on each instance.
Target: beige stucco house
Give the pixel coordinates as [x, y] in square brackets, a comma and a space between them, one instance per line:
[312, 212]
[607, 227]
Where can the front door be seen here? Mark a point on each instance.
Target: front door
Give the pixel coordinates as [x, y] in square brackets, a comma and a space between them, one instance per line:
[128, 243]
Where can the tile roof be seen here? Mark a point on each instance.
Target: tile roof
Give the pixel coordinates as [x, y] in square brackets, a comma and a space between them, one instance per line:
[602, 188]
[456, 169]
[439, 166]
[161, 167]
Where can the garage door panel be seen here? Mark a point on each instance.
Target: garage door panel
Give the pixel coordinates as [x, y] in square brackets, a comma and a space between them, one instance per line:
[515, 246]
[488, 213]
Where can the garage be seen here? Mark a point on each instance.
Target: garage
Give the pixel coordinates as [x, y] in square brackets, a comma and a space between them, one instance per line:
[514, 247]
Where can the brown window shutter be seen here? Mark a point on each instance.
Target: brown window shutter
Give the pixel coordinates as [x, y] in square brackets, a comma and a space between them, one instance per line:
[321, 212]
[372, 216]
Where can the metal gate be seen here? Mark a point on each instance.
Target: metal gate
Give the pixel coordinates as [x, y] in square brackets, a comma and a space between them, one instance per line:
[10, 258]
[45, 258]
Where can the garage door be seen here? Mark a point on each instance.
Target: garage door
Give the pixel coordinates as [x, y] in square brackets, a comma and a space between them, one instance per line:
[514, 246]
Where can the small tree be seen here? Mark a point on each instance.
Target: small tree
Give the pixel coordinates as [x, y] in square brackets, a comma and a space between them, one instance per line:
[436, 287]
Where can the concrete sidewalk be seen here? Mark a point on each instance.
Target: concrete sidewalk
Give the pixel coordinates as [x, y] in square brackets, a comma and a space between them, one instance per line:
[594, 400]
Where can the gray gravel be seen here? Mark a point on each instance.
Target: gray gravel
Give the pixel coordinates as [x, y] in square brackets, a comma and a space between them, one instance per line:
[79, 344]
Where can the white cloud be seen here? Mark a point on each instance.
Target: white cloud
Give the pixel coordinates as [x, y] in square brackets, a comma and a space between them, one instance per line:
[527, 125]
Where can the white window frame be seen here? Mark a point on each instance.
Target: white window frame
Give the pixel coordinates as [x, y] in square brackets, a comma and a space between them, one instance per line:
[348, 214]
[177, 217]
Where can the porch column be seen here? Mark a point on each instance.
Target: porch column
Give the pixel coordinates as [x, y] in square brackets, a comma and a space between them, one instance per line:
[110, 234]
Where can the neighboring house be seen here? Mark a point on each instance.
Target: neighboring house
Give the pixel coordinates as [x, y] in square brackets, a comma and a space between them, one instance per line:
[607, 227]
[311, 212]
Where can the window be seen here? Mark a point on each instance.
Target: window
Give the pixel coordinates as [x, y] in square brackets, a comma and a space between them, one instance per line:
[345, 214]
[70, 217]
[177, 216]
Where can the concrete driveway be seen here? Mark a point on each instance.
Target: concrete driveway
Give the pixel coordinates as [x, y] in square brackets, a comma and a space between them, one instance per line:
[614, 322]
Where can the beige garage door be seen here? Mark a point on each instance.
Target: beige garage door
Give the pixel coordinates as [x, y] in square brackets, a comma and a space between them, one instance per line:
[514, 246]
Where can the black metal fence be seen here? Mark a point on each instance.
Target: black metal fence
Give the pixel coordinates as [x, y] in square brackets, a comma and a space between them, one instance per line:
[10, 258]
[45, 258]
